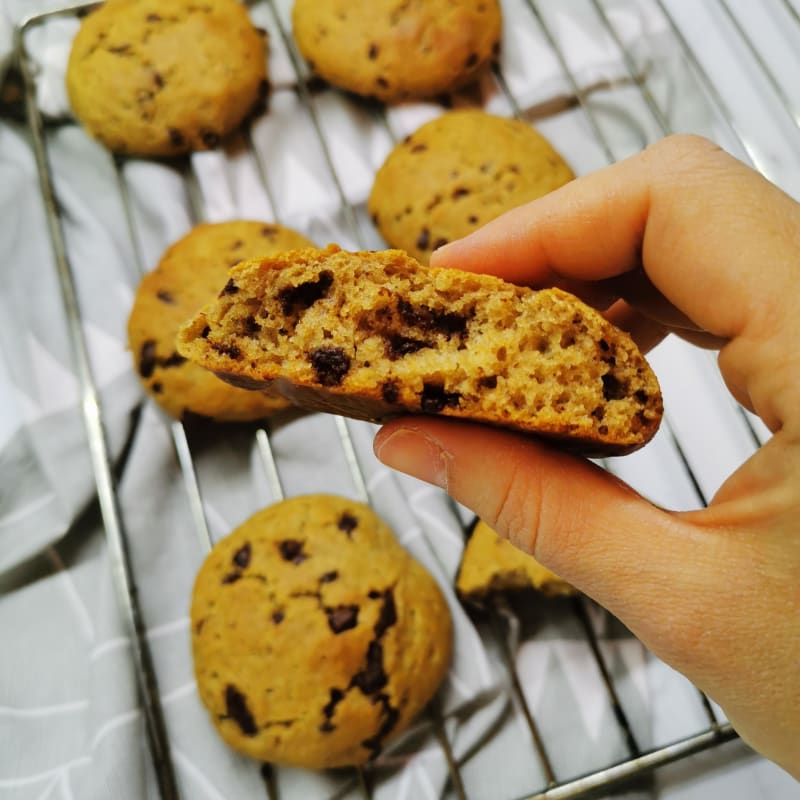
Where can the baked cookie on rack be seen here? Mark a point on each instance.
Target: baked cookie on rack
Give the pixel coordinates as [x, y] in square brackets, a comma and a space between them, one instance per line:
[398, 51]
[191, 272]
[373, 335]
[491, 565]
[161, 77]
[316, 637]
[455, 174]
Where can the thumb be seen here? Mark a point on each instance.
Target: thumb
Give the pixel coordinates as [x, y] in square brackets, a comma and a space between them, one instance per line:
[649, 567]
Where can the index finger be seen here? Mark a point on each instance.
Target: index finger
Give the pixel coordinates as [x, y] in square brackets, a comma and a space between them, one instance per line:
[714, 237]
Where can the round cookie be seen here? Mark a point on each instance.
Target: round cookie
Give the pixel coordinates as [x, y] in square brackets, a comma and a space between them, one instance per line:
[315, 636]
[161, 77]
[393, 51]
[456, 173]
[191, 273]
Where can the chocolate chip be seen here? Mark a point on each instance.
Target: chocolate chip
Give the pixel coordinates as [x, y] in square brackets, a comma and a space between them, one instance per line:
[229, 288]
[270, 231]
[472, 60]
[428, 319]
[251, 327]
[388, 614]
[172, 360]
[157, 387]
[237, 244]
[419, 148]
[242, 556]
[158, 79]
[390, 718]
[390, 392]
[165, 297]
[434, 398]
[382, 82]
[237, 710]
[330, 365]
[488, 381]
[374, 594]
[147, 358]
[329, 577]
[347, 523]
[209, 138]
[441, 242]
[496, 48]
[374, 217]
[342, 618]
[230, 350]
[472, 219]
[460, 191]
[204, 333]
[175, 137]
[372, 53]
[303, 296]
[277, 617]
[329, 709]
[120, 50]
[372, 678]
[613, 388]
[641, 396]
[398, 346]
[231, 577]
[292, 550]
[153, 18]
[424, 238]
[604, 346]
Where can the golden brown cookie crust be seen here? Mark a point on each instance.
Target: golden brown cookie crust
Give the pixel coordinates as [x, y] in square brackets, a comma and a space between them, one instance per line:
[490, 565]
[191, 273]
[455, 174]
[398, 51]
[374, 334]
[315, 636]
[161, 77]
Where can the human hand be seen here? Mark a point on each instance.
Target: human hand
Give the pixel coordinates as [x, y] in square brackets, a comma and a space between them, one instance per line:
[680, 238]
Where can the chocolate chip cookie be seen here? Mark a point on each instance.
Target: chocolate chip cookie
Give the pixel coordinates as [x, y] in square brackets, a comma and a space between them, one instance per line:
[316, 637]
[490, 565]
[161, 77]
[191, 273]
[398, 51]
[455, 174]
[375, 334]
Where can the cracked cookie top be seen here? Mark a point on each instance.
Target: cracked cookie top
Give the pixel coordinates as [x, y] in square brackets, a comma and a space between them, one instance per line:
[316, 637]
[162, 77]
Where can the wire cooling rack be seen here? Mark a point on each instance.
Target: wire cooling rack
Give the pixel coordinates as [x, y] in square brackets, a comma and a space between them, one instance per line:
[580, 105]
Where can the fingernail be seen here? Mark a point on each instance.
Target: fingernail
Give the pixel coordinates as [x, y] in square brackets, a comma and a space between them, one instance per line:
[415, 453]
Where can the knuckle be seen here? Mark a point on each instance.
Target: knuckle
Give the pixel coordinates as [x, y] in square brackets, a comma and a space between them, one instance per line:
[518, 511]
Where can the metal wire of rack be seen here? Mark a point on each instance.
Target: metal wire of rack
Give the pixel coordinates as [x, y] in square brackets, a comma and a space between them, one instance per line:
[504, 622]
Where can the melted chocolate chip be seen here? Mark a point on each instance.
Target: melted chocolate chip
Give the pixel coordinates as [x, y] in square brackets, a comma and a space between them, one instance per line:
[242, 556]
[424, 238]
[388, 614]
[347, 523]
[229, 288]
[329, 577]
[292, 550]
[372, 678]
[613, 388]
[342, 618]
[488, 381]
[299, 298]
[237, 710]
[147, 358]
[434, 398]
[251, 327]
[372, 53]
[389, 392]
[390, 718]
[277, 617]
[165, 297]
[329, 709]
[330, 365]
[460, 191]
[204, 333]
[157, 387]
[382, 82]
[231, 577]
[398, 346]
[604, 346]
